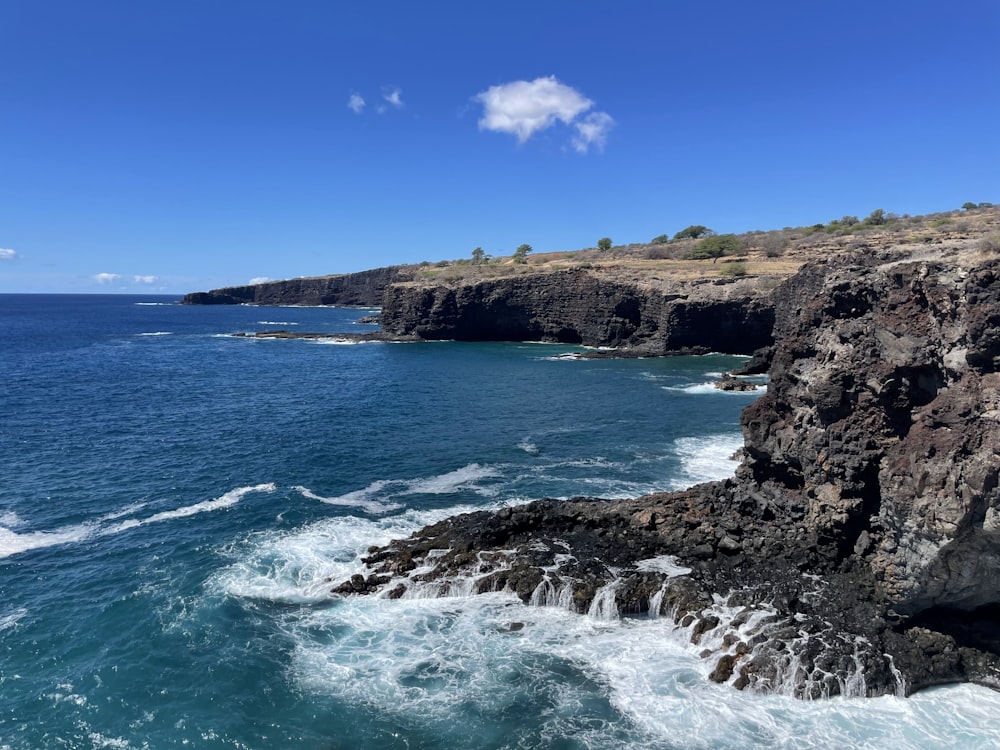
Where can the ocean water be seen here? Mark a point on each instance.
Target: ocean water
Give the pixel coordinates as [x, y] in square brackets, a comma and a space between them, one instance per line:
[174, 501]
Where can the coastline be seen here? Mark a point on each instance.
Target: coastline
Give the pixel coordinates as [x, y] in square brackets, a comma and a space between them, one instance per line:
[856, 543]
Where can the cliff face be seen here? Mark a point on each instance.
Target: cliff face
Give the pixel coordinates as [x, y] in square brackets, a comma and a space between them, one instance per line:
[363, 289]
[576, 306]
[581, 307]
[883, 416]
[857, 549]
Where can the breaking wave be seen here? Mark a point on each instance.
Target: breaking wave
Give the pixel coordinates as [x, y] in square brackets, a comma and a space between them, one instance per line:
[14, 542]
[441, 664]
[706, 459]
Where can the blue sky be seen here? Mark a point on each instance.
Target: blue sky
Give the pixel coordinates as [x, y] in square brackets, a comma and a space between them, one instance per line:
[180, 146]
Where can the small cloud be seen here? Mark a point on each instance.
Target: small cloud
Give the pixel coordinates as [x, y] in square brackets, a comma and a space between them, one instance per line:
[106, 278]
[7, 254]
[258, 280]
[523, 108]
[145, 279]
[592, 130]
[394, 96]
[356, 103]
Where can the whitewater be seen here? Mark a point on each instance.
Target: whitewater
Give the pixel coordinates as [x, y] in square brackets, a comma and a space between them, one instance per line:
[175, 502]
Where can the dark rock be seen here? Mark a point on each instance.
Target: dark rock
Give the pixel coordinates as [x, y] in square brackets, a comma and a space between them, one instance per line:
[363, 289]
[724, 668]
[583, 306]
[729, 383]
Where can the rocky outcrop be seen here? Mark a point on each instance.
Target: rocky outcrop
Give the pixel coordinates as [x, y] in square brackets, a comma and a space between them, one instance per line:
[857, 548]
[883, 416]
[581, 306]
[363, 289]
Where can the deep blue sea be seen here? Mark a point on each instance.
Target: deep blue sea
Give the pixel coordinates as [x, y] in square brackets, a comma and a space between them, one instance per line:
[173, 501]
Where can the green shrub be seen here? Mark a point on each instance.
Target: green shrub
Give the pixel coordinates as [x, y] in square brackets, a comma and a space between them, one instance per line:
[716, 247]
[660, 239]
[734, 269]
[604, 244]
[693, 232]
[875, 218]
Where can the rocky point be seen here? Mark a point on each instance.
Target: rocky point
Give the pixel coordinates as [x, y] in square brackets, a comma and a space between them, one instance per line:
[857, 548]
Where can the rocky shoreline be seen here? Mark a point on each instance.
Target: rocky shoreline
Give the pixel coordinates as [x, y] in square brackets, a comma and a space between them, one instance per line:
[856, 550]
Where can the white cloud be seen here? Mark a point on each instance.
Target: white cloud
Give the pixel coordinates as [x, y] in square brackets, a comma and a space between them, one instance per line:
[7, 254]
[106, 278]
[393, 96]
[140, 279]
[356, 103]
[592, 130]
[258, 280]
[522, 108]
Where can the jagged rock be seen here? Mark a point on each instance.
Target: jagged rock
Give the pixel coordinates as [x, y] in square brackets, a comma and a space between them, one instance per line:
[729, 383]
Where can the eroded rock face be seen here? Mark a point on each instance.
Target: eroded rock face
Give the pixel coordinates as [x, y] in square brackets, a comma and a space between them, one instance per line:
[883, 414]
[582, 307]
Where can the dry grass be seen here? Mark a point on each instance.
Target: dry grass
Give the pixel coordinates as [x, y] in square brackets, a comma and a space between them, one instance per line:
[770, 255]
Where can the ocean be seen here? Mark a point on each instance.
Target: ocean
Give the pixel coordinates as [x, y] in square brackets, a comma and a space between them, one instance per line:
[174, 502]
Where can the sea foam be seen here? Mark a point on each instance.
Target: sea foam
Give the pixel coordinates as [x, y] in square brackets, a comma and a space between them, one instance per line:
[12, 542]
[378, 497]
[705, 459]
[439, 664]
[357, 499]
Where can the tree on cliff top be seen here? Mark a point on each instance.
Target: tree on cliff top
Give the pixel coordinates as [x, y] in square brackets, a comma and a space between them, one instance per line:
[693, 232]
[478, 256]
[716, 247]
[604, 244]
[521, 254]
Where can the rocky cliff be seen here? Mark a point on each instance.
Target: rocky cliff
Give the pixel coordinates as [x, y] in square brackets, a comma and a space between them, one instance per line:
[363, 289]
[857, 549]
[883, 420]
[582, 306]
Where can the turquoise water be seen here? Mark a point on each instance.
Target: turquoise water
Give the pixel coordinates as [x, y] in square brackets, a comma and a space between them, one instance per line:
[173, 501]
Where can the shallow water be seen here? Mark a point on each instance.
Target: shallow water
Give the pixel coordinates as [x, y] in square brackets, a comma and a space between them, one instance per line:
[174, 501]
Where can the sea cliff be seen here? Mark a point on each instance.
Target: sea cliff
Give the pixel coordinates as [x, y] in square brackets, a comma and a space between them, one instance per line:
[363, 289]
[857, 547]
[592, 307]
[589, 307]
